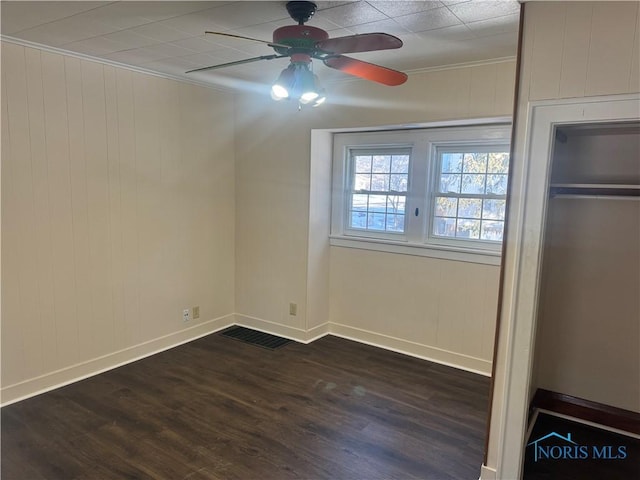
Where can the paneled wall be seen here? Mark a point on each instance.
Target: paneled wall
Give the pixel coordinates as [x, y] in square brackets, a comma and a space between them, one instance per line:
[435, 308]
[117, 213]
[580, 49]
[283, 253]
[570, 49]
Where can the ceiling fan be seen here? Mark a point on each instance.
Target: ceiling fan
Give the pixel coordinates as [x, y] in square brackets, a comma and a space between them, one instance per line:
[302, 43]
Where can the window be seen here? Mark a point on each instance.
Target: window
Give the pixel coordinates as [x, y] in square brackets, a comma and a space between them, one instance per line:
[470, 193]
[378, 189]
[432, 188]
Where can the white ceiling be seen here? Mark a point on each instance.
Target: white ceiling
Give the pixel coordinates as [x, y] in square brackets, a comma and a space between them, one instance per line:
[168, 36]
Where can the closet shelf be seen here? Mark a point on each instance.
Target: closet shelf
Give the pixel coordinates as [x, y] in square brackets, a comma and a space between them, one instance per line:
[594, 190]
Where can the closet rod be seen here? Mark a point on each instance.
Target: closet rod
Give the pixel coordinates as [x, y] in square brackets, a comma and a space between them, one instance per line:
[599, 197]
[594, 190]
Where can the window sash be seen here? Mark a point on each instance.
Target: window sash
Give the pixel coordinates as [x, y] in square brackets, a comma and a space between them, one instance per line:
[434, 193]
[382, 216]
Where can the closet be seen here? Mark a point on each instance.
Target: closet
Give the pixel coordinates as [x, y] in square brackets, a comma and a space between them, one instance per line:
[588, 315]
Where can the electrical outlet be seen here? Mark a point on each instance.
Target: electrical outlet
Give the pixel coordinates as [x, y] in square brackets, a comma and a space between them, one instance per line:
[186, 315]
[196, 312]
[293, 309]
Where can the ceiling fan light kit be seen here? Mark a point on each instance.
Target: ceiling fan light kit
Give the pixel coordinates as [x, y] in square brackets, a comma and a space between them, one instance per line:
[302, 43]
[298, 82]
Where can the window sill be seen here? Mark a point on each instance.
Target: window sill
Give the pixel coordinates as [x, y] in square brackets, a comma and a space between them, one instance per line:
[458, 254]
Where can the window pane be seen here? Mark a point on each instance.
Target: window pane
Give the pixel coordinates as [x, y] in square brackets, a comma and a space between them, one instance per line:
[396, 204]
[468, 228]
[492, 230]
[378, 212]
[498, 162]
[475, 163]
[444, 227]
[471, 174]
[398, 183]
[451, 163]
[379, 182]
[381, 163]
[378, 203]
[359, 202]
[446, 207]
[449, 183]
[358, 220]
[362, 163]
[400, 164]
[375, 221]
[362, 181]
[497, 184]
[470, 207]
[493, 209]
[473, 183]
[395, 223]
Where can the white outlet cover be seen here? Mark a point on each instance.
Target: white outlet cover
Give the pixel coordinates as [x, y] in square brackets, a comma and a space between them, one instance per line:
[186, 315]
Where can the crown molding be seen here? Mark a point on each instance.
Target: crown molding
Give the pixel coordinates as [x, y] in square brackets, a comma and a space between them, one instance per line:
[104, 61]
[436, 68]
[82, 56]
[453, 66]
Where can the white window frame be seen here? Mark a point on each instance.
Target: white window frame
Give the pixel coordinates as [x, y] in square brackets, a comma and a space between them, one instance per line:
[397, 236]
[423, 169]
[431, 193]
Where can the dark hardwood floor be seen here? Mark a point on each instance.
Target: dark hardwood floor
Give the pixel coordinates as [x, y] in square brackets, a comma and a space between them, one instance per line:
[217, 408]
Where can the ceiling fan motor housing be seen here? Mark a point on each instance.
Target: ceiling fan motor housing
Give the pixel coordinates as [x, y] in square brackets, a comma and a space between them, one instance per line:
[298, 36]
[301, 11]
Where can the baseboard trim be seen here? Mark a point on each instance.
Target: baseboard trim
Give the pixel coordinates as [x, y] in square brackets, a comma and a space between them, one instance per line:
[488, 473]
[425, 352]
[74, 373]
[317, 332]
[587, 410]
[292, 333]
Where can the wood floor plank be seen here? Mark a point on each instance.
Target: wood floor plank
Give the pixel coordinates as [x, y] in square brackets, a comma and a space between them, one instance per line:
[216, 408]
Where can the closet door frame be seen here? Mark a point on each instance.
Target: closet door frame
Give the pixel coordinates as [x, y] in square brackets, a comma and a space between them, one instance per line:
[525, 241]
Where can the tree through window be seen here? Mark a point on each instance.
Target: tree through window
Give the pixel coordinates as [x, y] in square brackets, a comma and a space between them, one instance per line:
[470, 193]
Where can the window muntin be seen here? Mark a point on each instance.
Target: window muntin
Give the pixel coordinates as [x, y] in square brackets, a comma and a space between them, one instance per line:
[378, 185]
[469, 193]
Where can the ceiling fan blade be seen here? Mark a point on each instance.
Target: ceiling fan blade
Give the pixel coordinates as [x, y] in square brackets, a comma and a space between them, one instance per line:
[366, 42]
[271, 44]
[237, 62]
[368, 71]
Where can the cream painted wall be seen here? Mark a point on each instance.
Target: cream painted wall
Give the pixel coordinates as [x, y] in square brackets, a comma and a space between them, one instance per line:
[117, 213]
[570, 49]
[272, 215]
[282, 251]
[439, 309]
